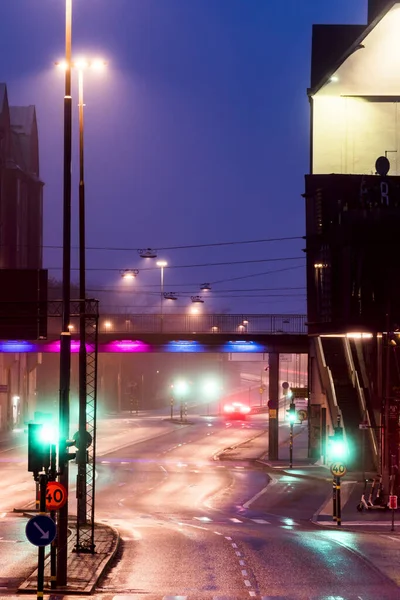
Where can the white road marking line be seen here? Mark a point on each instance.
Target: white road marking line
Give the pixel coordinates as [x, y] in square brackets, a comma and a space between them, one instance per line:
[238, 553]
[218, 533]
[205, 519]
[191, 525]
[252, 594]
[163, 468]
[244, 572]
[254, 498]
[228, 538]
[247, 582]
[234, 545]
[235, 520]
[241, 563]
[393, 538]
[261, 521]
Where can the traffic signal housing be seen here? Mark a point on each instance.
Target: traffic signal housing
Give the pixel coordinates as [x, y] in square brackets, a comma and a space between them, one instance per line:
[38, 449]
[337, 445]
[291, 413]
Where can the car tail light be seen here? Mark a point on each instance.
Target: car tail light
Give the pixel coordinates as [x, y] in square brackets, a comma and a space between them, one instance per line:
[245, 409]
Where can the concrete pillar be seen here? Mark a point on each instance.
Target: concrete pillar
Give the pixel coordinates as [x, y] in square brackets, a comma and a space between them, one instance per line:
[273, 405]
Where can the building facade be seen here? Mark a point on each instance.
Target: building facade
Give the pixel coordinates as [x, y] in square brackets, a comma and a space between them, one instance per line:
[22, 279]
[352, 218]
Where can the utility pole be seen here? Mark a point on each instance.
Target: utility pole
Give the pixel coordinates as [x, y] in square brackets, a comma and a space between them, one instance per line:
[81, 454]
[65, 341]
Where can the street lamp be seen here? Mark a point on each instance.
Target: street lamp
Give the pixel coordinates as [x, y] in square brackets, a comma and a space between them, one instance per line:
[81, 65]
[129, 274]
[65, 340]
[147, 253]
[162, 264]
[205, 287]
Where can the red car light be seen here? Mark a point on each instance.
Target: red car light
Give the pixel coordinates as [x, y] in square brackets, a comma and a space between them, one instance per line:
[245, 409]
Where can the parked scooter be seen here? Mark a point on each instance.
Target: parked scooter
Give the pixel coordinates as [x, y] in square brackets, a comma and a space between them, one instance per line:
[374, 500]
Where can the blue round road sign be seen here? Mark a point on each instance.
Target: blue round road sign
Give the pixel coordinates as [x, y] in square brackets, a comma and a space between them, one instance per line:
[40, 530]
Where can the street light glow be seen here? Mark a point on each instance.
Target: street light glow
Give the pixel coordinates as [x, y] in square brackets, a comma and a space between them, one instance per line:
[98, 64]
[181, 387]
[161, 263]
[129, 274]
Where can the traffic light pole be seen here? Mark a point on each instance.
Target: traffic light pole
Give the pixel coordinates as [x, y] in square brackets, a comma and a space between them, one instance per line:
[41, 549]
[291, 446]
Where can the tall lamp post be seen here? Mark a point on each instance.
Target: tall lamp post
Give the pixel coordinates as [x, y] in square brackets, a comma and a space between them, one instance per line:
[162, 264]
[82, 65]
[65, 340]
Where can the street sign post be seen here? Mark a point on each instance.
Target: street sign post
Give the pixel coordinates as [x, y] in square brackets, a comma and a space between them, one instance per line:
[338, 469]
[40, 530]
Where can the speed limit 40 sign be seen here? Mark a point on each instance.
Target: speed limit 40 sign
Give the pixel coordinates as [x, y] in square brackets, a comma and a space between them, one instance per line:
[56, 495]
[338, 469]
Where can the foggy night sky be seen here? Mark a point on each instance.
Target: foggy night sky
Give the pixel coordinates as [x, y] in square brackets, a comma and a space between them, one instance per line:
[197, 133]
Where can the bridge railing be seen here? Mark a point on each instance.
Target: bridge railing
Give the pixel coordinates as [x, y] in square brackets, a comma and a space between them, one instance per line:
[206, 323]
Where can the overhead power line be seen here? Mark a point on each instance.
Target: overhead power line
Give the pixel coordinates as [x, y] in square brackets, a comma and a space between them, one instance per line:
[184, 247]
[218, 264]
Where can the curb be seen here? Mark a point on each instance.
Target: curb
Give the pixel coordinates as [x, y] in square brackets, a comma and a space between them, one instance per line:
[84, 587]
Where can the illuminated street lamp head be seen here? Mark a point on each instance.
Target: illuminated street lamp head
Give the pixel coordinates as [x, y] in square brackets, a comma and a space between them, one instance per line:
[170, 296]
[205, 287]
[129, 273]
[197, 299]
[161, 263]
[147, 253]
[82, 64]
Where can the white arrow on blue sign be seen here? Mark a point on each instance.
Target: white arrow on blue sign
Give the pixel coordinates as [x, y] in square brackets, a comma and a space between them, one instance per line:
[40, 530]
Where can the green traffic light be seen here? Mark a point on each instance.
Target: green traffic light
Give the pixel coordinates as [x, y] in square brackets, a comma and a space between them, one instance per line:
[49, 433]
[338, 449]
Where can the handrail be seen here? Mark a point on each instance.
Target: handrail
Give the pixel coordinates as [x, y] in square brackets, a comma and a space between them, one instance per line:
[127, 323]
[327, 381]
[360, 393]
[349, 361]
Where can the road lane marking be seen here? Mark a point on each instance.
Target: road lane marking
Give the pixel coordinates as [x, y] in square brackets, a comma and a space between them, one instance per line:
[204, 519]
[252, 594]
[247, 582]
[228, 538]
[244, 572]
[254, 498]
[163, 468]
[234, 545]
[235, 520]
[217, 533]
[261, 521]
[238, 553]
[241, 563]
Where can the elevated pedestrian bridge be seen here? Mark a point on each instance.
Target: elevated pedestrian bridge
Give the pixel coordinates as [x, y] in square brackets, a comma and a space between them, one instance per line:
[253, 333]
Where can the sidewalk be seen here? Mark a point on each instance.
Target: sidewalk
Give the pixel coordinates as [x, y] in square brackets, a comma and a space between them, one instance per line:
[83, 570]
[377, 520]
